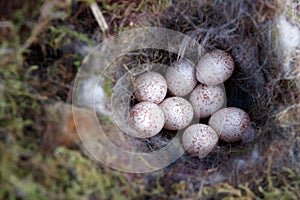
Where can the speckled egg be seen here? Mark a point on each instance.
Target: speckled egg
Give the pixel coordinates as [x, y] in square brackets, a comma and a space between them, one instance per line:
[151, 87]
[214, 67]
[199, 139]
[181, 77]
[147, 119]
[206, 100]
[230, 123]
[178, 113]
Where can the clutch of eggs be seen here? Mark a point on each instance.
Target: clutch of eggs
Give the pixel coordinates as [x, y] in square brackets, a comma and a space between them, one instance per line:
[206, 99]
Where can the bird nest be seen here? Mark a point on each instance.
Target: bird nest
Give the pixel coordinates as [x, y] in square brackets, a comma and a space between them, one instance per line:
[264, 84]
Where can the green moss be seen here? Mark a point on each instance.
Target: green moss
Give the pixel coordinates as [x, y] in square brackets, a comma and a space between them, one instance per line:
[107, 87]
[16, 182]
[126, 12]
[66, 175]
[109, 7]
[81, 177]
[283, 189]
[62, 36]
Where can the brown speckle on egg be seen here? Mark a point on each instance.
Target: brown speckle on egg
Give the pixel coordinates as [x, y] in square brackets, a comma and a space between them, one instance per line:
[230, 123]
[206, 100]
[150, 86]
[147, 119]
[214, 67]
[181, 77]
[199, 139]
[178, 113]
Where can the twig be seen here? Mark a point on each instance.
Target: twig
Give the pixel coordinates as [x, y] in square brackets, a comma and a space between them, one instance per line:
[99, 17]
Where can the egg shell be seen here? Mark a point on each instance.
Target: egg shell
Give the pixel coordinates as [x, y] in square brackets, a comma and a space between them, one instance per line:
[181, 77]
[230, 123]
[178, 113]
[150, 86]
[147, 119]
[214, 67]
[199, 139]
[206, 100]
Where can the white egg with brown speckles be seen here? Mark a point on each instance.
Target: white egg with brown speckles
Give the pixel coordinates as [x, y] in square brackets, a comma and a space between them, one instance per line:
[151, 87]
[199, 139]
[147, 119]
[230, 123]
[178, 113]
[206, 100]
[214, 67]
[181, 77]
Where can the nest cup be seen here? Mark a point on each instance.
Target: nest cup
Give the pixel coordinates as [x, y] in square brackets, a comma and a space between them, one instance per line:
[118, 61]
[255, 85]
